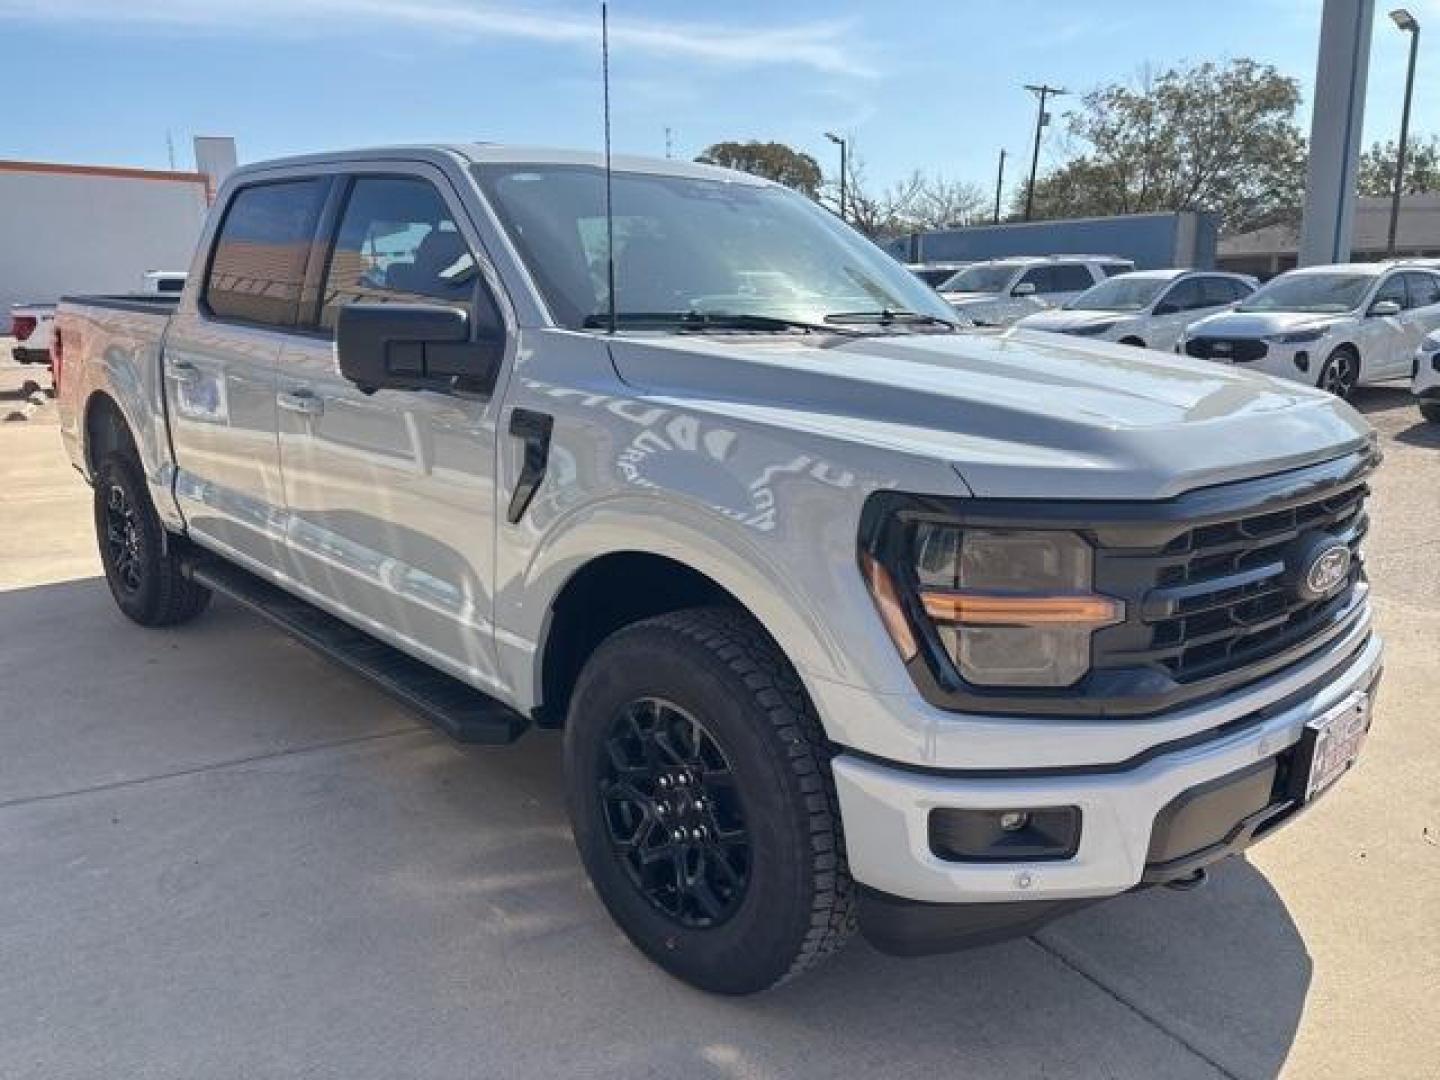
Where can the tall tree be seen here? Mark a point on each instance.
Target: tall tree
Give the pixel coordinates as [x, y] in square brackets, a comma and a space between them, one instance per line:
[1422, 167]
[772, 160]
[1218, 137]
[915, 203]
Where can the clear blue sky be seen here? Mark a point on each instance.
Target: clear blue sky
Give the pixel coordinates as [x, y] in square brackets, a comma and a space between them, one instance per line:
[936, 86]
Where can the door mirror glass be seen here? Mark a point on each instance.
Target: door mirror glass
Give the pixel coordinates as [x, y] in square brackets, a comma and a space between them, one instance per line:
[1025, 288]
[1384, 307]
[413, 347]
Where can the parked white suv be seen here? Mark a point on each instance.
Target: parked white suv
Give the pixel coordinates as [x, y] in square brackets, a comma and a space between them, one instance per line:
[1335, 327]
[31, 326]
[997, 292]
[1426, 379]
[1149, 308]
[849, 616]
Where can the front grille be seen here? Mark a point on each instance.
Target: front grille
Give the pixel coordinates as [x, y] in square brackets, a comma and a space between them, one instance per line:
[1240, 350]
[1221, 596]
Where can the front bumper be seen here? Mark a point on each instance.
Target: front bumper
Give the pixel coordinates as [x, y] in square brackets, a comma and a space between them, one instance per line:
[886, 811]
[1301, 363]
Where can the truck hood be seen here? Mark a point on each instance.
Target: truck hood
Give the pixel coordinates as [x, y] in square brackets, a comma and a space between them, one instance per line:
[1059, 320]
[1017, 415]
[1255, 324]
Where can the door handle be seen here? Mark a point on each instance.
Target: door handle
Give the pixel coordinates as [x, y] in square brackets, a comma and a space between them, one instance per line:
[301, 401]
[533, 429]
[182, 371]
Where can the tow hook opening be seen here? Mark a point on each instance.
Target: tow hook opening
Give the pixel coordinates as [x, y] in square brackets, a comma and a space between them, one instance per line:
[1189, 882]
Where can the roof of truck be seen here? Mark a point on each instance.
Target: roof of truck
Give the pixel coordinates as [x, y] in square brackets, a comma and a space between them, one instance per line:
[483, 153]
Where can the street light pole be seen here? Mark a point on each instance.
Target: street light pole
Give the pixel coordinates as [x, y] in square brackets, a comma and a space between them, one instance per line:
[838, 141]
[999, 185]
[1410, 25]
[1041, 119]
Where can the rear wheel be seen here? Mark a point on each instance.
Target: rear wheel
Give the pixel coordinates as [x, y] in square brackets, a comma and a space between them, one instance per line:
[1341, 373]
[143, 574]
[1430, 410]
[700, 795]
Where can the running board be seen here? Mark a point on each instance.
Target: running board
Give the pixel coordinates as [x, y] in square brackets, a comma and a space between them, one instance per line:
[465, 714]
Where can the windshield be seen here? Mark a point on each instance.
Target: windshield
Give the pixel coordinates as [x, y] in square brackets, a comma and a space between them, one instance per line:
[1318, 293]
[697, 247]
[1119, 294]
[986, 277]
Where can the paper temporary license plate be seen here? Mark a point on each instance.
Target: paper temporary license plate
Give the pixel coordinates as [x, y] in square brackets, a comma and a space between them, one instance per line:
[1333, 740]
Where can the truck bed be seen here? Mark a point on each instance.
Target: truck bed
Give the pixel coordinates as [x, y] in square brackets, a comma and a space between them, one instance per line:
[144, 303]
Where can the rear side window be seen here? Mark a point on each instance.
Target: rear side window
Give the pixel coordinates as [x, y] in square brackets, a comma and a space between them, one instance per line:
[1424, 289]
[1069, 277]
[1187, 295]
[258, 265]
[397, 243]
[1219, 290]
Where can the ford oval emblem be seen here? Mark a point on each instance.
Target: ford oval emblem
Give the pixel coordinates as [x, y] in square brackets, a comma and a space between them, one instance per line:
[1327, 569]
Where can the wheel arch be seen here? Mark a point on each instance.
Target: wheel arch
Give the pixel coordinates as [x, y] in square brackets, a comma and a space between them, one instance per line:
[107, 429]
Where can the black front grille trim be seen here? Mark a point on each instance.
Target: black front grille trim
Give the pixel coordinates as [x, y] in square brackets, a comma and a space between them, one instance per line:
[1240, 350]
[1209, 604]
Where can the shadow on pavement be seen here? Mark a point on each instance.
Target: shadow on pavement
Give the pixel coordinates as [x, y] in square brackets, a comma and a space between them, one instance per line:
[398, 905]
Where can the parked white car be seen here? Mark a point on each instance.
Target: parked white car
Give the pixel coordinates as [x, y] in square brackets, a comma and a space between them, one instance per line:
[30, 326]
[1335, 327]
[1425, 381]
[999, 292]
[1149, 308]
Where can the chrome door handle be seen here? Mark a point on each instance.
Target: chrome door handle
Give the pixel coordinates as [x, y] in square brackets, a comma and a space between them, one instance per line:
[182, 371]
[300, 401]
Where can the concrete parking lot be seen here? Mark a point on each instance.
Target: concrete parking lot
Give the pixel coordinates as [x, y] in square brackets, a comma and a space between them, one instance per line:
[222, 856]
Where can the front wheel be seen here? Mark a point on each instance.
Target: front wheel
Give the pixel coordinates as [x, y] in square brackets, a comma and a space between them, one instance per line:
[143, 574]
[1341, 373]
[699, 790]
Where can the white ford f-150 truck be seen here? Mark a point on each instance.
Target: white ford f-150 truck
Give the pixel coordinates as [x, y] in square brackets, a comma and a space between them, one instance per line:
[849, 617]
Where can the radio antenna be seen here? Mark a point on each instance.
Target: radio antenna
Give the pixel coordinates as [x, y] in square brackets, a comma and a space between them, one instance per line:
[609, 206]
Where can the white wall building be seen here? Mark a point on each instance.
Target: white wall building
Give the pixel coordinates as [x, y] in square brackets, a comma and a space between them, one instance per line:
[88, 228]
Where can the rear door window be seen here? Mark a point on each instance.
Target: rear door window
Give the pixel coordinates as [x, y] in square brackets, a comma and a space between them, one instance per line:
[397, 243]
[1186, 295]
[1424, 289]
[258, 264]
[1069, 277]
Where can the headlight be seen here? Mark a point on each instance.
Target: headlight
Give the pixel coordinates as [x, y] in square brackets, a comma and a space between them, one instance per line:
[1010, 608]
[1297, 337]
[1091, 328]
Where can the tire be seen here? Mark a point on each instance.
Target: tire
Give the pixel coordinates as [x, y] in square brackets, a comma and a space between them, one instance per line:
[1430, 410]
[1341, 373]
[714, 692]
[141, 569]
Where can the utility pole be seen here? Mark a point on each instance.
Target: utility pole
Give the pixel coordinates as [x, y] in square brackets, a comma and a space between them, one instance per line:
[844, 169]
[1410, 25]
[999, 185]
[1042, 118]
[669, 145]
[170, 148]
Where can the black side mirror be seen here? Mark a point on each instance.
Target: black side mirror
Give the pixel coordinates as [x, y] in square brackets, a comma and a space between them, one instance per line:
[414, 347]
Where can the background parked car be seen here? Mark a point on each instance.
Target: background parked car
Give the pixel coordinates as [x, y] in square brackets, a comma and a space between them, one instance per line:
[997, 292]
[1333, 326]
[935, 274]
[1425, 381]
[1149, 308]
[30, 326]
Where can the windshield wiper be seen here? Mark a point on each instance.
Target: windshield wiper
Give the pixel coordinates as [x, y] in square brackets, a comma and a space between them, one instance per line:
[706, 320]
[889, 316]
